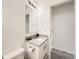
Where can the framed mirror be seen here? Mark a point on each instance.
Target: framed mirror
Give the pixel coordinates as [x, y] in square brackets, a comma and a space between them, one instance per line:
[31, 17]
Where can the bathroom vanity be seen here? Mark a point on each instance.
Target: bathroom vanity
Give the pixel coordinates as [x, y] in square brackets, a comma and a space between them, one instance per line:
[37, 47]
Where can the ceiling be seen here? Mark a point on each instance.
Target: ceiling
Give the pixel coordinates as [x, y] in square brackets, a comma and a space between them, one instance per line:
[52, 2]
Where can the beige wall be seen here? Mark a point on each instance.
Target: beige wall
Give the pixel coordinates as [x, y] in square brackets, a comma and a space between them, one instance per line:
[64, 27]
[13, 25]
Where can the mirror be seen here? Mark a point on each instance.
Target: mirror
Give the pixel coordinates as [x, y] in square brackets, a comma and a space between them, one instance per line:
[31, 17]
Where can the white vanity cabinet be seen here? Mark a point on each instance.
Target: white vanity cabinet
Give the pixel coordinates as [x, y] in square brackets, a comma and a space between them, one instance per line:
[37, 48]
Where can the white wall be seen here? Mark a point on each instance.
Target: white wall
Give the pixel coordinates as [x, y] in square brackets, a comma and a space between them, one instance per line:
[43, 19]
[44, 16]
[13, 25]
[64, 27]
[44, 7]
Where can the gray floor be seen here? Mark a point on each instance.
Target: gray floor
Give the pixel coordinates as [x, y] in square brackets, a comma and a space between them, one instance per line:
[56, 54]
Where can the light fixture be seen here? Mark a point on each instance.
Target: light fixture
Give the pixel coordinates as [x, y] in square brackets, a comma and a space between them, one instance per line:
[31, 3]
